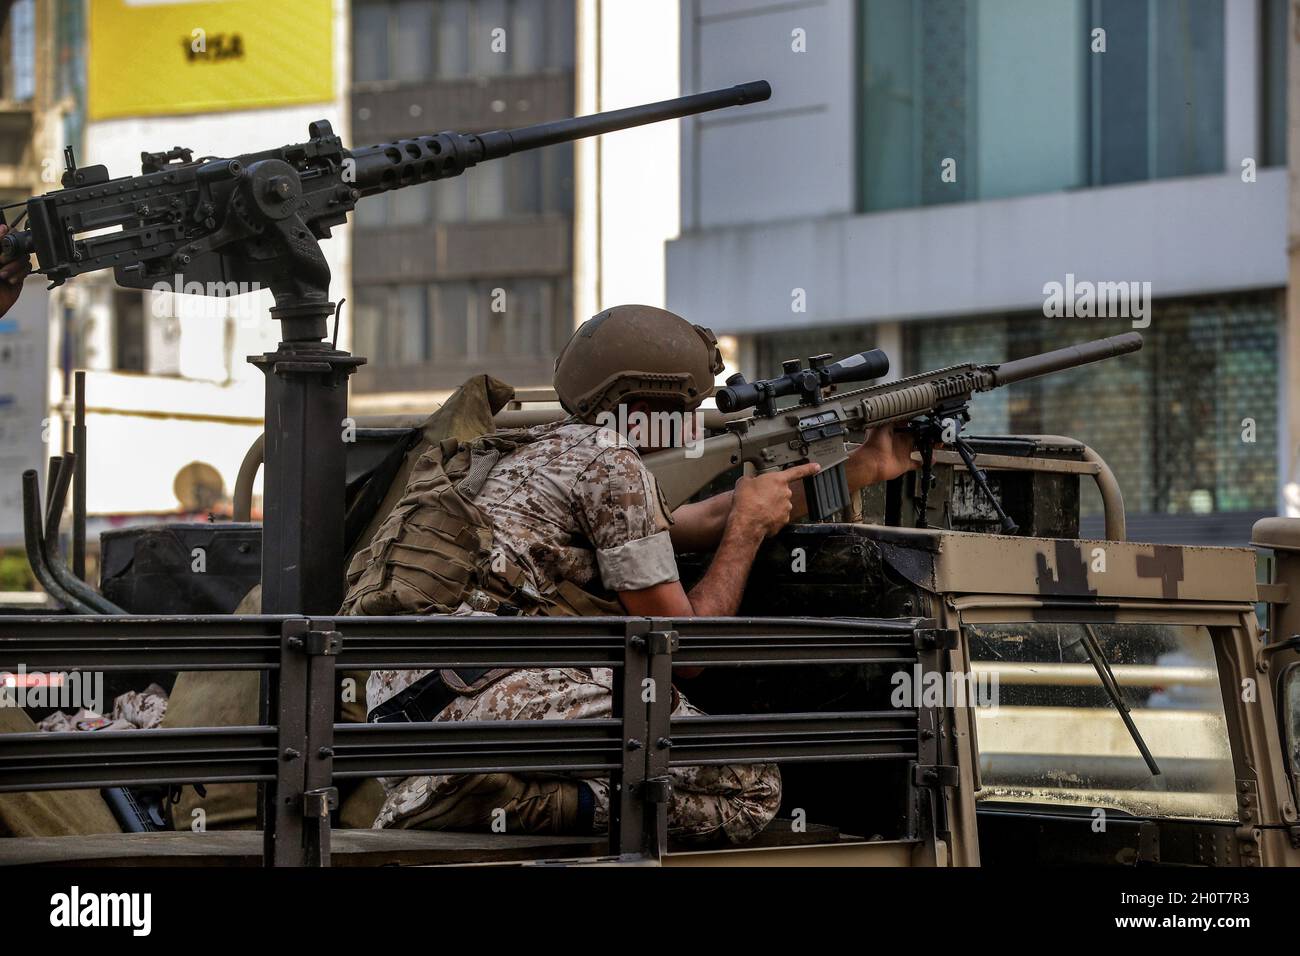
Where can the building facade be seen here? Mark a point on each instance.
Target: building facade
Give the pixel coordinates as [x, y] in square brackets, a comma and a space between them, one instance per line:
[490, 271]
[925, 172]
[473, 274]
[487, 272]
[172, 403]
[40, 102]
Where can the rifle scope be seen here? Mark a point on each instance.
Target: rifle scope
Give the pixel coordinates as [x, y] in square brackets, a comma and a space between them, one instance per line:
[805, 382]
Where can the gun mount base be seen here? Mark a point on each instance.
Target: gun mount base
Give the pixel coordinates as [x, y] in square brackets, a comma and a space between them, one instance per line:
[304, 473]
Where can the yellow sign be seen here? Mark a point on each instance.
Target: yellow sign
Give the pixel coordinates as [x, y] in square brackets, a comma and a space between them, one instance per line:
[153, 57]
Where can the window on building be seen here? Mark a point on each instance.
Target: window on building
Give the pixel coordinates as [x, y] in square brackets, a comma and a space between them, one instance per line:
[976, 99]
[369, 306]
[469, 323]
[21, 69]
[455, 25]
[1273, 119]
[411, 41]
[1160, 86]
[452, 318]
[536, 183]
[146, 333]
[409, 323]
[413, 33]
[370, 42]
[71, 35]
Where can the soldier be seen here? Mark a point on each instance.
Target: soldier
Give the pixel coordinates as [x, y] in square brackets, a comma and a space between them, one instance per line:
[12, 275]
[577, 526]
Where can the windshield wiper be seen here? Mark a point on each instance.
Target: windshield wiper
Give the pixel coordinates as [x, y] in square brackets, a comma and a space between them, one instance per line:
[1111, 686]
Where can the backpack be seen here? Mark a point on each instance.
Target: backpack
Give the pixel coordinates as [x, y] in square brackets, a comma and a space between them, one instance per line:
[433, 552]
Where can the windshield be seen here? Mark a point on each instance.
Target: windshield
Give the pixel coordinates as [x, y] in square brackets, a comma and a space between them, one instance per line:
[1054, 735]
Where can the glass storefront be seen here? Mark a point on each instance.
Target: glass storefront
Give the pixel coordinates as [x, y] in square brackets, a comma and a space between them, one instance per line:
[1189, 424]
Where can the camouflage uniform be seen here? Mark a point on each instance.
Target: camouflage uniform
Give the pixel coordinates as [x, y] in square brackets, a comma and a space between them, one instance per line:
[574, 503]
[134, 710]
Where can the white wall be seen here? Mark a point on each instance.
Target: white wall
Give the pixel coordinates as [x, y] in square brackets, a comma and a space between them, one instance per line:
[791, 157]
[1185, 236]
[143, 429]
[628, 182]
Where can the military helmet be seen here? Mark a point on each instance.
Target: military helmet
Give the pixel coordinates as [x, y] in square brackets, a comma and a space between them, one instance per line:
[635, 352]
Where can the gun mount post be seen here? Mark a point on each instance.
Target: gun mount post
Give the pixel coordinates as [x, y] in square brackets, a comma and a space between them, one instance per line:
[303, 502]
[79, 477]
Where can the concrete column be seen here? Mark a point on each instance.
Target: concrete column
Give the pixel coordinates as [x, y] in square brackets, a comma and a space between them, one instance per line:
[626, 204]
[586, 166]
[889, 336]
[1289, 363]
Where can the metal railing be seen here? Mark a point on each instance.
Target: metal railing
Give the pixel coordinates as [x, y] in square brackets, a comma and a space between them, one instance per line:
[298, 751]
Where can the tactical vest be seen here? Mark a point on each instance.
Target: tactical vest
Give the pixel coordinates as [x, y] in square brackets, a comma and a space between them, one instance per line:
[433, 553]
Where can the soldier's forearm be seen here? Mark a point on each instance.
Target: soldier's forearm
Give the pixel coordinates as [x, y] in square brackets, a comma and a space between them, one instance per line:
[861, 469]
[699, 525]
[718, 592]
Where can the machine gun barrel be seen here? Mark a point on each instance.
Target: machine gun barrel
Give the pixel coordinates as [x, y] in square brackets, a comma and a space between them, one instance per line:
[504, 142]
[424, 159]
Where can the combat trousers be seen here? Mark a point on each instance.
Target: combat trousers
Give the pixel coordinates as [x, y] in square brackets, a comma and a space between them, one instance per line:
[711, 804]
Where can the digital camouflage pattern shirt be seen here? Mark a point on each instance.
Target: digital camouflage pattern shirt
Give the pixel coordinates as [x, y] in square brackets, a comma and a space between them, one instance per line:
[577, 502]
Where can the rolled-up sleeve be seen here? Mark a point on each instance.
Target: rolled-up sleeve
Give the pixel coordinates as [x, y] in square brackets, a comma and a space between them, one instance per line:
[619, 510]
[641, 563]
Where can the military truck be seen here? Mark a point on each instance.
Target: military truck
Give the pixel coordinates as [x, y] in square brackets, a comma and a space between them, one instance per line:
[935, 696]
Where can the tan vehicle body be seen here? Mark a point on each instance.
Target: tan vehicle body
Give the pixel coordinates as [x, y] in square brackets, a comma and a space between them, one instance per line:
[974, 579]
[1229, 730]
[978, 579]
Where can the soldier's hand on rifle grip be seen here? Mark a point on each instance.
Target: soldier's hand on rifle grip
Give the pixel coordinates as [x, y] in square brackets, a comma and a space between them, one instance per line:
[764, 504]
[12, 275]
[886, 454]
